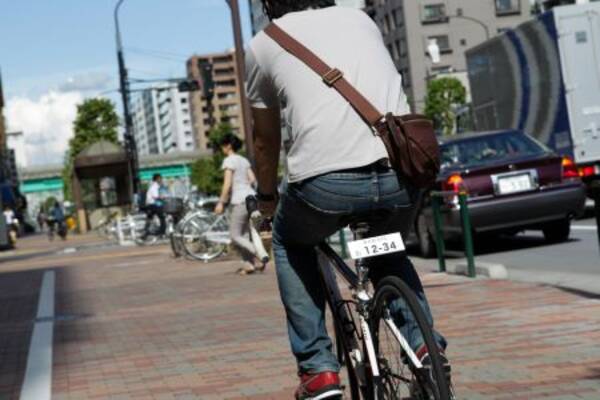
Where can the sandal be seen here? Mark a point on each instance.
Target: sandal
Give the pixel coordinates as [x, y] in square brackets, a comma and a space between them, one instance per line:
[246, 270]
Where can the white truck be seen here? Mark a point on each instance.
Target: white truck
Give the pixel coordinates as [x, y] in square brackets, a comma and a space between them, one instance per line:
[543, 78]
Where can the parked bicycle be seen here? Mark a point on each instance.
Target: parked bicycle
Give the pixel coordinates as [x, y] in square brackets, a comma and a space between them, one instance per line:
[371, 333]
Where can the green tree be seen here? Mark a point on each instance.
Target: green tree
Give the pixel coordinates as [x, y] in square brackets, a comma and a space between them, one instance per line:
[96, 121]
[444, 96]
[206, 173]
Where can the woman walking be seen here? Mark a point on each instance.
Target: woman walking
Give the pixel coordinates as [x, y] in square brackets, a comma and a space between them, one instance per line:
[237, 185]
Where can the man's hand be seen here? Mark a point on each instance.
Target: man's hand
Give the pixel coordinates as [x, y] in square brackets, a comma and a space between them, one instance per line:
[219, 208]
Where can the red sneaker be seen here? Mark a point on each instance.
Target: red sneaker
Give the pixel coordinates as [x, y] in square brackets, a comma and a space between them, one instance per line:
[324, 385]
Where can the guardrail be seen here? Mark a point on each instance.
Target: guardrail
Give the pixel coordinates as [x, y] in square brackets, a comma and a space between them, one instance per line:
[436, 205]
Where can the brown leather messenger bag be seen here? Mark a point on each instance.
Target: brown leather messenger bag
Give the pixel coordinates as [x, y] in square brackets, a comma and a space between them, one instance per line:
[410, 140]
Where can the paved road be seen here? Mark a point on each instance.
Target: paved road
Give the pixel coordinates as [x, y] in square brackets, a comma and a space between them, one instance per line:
[132, 323]
[574, 264]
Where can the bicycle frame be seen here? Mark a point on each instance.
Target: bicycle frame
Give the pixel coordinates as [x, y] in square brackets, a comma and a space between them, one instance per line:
[357, 285]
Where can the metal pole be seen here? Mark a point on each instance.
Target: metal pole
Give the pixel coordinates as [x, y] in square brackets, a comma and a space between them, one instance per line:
[343, 244]
[130, 144]
[467, 235]
[436, 202]
[4, 242]
[241, 77]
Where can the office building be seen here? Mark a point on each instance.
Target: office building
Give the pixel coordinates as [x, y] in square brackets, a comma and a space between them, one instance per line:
[225, 105]
[259, 20]
[162, 120]
[409, 27]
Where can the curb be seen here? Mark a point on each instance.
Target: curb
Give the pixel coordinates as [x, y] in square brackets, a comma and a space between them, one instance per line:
[489, 270]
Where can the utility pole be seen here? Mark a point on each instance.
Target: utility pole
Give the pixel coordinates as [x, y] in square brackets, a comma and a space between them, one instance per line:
[130, 145]
[240, 67]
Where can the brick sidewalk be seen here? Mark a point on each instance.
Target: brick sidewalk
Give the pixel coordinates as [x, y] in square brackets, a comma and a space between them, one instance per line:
[137, 325]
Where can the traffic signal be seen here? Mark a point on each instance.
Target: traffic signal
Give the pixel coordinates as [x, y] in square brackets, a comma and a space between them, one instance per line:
[188, 86]
[208, 83]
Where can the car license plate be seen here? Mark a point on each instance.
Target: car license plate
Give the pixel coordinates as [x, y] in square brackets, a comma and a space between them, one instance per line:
[514, 184]
[376, 246]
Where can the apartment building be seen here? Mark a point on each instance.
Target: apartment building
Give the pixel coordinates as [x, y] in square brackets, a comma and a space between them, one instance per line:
[259, 20]
[162, 120]
[225, 105]
[456, 25]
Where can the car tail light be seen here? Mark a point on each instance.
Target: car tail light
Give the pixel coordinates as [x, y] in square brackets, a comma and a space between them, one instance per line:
[586, 171]
[569, 168]
[454, 183]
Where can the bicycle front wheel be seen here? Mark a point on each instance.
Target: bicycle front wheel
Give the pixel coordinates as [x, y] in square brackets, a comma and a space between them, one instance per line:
[396, 317]
[204, 237]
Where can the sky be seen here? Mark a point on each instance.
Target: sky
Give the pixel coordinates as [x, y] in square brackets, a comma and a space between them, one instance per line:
[55, 53]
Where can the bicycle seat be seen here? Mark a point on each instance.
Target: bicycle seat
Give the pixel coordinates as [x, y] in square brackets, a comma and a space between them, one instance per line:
[361, 222]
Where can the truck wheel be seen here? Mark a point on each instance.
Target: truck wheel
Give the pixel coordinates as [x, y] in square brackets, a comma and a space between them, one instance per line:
[557, 231]
[424, 237]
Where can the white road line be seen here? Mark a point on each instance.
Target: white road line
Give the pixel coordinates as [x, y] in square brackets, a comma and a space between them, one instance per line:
[584, 228]
[37, 384]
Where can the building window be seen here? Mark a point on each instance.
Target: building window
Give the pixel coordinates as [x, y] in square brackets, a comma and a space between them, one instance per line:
[397, 50]
[442, 69]
[508, 7]
[183, 101]
[463, 42]
[397, 18]
[434, 13]
[443, 43]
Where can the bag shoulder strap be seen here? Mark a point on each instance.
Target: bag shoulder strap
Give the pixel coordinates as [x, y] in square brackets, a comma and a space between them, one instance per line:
[332, 77]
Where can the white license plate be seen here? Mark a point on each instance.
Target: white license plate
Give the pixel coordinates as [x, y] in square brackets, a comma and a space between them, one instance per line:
[376, 246]
[514, 184]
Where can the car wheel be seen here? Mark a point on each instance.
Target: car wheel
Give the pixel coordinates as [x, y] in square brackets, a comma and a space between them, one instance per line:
[424, 237]
[558, 231]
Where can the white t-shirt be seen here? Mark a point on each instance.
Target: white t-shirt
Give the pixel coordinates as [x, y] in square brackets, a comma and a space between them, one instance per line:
[326, 132]
[153, 193]
[241, 183]
[9, 216]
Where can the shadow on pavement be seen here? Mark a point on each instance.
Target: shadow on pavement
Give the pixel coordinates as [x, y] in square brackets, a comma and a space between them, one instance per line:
[19, 292]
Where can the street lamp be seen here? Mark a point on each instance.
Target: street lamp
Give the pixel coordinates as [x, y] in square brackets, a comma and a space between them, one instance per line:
[130, 145]
[240, 67]
[477, 21]
[433, 49]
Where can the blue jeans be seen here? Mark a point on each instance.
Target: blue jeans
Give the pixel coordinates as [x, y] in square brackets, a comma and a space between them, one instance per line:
[314, 209]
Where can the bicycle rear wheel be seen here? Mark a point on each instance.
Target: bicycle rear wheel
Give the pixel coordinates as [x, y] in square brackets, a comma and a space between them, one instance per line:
[399, 378]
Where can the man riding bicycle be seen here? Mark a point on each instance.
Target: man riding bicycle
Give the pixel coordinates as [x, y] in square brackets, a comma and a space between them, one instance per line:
[154, 205]
[337, 167]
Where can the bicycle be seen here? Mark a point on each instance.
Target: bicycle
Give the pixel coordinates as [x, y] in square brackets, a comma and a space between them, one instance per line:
[368, 339]
[105, 228]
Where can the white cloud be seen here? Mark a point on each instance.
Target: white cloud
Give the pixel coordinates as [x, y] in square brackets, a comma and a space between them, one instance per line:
[47, 124]
[90, 81]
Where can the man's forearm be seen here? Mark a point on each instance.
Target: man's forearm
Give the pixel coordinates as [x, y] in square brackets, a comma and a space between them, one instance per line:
[267, 150]
[267, 146]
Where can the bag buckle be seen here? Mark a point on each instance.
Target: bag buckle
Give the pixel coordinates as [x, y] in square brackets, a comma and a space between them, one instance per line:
[332, 76]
